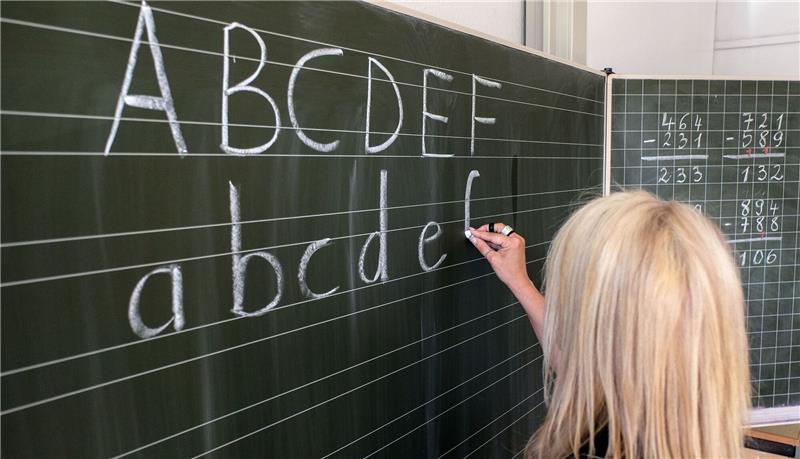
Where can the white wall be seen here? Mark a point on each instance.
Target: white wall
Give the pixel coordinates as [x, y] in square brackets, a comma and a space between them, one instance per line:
[500, 18]
[757, 38]
[720, 37]
[650, 37]
[657, 37]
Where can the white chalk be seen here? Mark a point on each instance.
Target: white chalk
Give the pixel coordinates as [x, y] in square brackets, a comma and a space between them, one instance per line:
[240, 263]
[303, 267]
[426, 114]
[323, 147]
[383, 223]
[388, 142]
[421, 246]
[480, 119]
[468, 234]
[163, 103]
[244, 86]
[467, 193]
[134, 316]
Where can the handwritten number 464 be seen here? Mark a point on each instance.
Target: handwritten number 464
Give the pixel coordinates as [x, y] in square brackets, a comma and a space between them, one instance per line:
[668, 122]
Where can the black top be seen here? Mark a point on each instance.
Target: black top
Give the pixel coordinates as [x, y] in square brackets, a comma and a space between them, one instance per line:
[600, 445]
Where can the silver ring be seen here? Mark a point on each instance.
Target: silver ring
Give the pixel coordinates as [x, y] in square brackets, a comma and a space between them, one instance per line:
[507, 230]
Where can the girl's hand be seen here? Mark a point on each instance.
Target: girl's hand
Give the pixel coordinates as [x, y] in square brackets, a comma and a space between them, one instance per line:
[506, 255]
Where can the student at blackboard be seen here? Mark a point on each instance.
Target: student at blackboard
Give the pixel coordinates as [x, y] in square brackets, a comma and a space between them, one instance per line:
[642, 328]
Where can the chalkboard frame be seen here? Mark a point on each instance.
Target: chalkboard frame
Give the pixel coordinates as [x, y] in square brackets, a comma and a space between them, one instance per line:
[524, 330]
[788, 414]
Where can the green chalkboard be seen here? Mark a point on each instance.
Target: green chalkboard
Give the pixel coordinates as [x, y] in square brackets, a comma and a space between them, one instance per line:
[184, 269]
[731, 148]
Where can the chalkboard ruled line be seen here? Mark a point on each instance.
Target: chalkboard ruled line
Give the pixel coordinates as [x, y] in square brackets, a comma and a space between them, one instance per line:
[795, 293]
[636, 166]
[272, 219]
[638, 185]
[629, 149]
[760, 300]
[671, 157]
[754, 217]
[788, 330]
[773, 380]
[715, 95]
[772, 282]
[272, 126]
[761, 267]
[506, 427]
[395, 419]
[497, 418]
[94, 272]
[261, 429]
[716, 200]
[770, 364]
[53, 28]
[783, 394]
[756, 156]
[783, 194]
[774, 364]
[231, 319]
[754, 239]
[771, 347]
[761, 316]
[703, 130]
[238, 346]
[442, 413]
[303, 155]
[344, 370]
[705, 113]
[764, 364]
[367, 53]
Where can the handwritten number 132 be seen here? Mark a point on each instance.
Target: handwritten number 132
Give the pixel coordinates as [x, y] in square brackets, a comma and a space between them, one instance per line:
[761, 173]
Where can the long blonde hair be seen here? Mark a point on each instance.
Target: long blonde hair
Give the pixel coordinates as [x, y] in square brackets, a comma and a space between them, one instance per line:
[643, 333]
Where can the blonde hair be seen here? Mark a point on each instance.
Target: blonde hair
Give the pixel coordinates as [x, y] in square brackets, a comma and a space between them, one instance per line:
[643, 333]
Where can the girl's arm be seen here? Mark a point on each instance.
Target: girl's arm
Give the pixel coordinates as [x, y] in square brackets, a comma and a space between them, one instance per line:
[506, 255]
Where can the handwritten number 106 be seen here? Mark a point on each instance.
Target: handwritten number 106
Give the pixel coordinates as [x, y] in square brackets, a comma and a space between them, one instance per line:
[758, 257]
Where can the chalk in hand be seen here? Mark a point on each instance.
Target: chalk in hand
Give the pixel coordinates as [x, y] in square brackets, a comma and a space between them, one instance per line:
[468, 234]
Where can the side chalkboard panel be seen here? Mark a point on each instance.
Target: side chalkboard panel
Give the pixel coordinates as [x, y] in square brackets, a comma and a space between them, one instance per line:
[236, 229]
[731, 148]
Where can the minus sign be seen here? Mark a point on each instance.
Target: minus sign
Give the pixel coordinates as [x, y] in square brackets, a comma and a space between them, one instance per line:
[727, 224]
[728, 138]
[649, 140]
